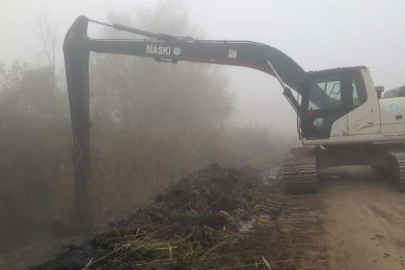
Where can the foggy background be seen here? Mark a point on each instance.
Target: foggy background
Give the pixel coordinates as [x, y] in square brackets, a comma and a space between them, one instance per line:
[316, 34]
[139, 149]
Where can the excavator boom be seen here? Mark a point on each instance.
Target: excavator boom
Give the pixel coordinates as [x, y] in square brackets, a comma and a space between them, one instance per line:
[77, 47]
[168, 48]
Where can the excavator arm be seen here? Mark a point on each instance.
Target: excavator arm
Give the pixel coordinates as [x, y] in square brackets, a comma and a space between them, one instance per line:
[161, 47]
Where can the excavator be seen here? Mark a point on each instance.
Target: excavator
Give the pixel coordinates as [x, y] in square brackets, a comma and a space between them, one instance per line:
[341, 117]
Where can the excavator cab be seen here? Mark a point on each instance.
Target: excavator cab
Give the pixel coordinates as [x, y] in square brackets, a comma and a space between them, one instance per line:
[327, 96]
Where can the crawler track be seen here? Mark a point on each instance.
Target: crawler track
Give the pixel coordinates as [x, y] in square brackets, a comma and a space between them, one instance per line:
[397, 166]
[300, 173]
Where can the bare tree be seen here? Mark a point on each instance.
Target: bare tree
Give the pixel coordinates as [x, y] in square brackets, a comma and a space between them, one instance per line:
[48, 41]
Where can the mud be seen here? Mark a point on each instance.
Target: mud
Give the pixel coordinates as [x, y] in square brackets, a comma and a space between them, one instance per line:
[197, 223]
[356, 221]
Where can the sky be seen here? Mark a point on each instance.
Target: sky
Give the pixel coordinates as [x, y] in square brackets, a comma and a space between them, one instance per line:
[317, 34]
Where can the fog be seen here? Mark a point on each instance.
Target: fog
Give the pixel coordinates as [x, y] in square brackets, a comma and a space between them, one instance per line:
[316, 34]
[155, 123]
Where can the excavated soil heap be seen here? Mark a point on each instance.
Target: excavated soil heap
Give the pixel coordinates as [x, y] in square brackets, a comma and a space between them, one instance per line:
[215, 218]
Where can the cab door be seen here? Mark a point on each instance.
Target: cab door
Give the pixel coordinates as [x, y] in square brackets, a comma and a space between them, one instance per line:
[364, 110]
[324, 111]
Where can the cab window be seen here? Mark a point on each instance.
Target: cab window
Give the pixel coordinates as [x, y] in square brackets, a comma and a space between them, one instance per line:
[358, 90]
[325, 93]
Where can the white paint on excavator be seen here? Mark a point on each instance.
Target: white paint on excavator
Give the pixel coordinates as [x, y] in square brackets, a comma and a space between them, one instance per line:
[392, 119]
[376, 120]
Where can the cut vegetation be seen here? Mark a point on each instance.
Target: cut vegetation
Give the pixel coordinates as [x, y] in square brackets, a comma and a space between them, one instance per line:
[216, 218]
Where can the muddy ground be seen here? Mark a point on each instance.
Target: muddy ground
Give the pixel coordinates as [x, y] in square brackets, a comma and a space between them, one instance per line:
[356, 221]
[364, 221]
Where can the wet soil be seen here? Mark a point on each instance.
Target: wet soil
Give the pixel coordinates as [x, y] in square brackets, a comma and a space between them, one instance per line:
[356, 221]
[197, 223]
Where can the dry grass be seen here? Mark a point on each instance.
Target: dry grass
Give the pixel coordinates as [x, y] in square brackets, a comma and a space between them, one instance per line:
[196, 224]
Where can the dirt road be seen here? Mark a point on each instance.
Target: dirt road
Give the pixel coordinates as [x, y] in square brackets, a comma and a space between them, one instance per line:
[355, 222]
[364, 221]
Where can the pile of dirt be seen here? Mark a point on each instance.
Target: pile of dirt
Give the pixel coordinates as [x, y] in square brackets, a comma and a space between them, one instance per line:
[216, 218]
